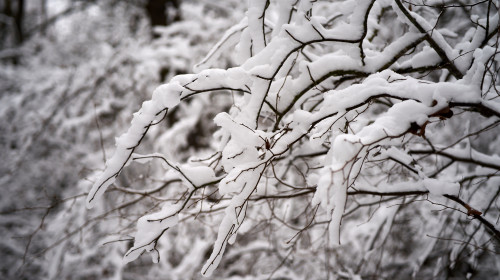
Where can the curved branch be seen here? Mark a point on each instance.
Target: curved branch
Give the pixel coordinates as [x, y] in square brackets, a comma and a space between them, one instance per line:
[442, 54]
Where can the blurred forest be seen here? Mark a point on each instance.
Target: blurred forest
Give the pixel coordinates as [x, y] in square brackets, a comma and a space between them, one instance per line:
[71, 75]
[73, 72]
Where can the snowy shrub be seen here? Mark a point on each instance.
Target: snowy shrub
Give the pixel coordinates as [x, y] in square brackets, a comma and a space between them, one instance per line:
[352, 139]
[362, 140]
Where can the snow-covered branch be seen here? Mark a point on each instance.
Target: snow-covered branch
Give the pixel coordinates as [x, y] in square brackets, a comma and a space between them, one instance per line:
[326, 116]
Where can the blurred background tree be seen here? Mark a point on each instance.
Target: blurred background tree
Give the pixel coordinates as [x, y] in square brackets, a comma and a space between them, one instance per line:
[71, 74]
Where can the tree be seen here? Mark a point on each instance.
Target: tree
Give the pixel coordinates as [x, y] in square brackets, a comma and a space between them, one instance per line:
[12, 13]
[363, 133]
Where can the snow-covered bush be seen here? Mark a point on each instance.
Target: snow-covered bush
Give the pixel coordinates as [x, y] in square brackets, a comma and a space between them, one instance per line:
[361, 140]
[316, 139]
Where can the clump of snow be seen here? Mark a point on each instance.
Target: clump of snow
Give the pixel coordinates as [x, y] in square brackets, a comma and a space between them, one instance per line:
[439, 187]
[197, 175]
[149, 229]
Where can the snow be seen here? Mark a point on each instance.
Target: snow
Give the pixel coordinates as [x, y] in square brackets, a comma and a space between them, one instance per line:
[149, 228]
[229, 38]
[169, 97]
[425, 58]
[398, 155]
[256, 10]
[234, 216]
[198, 175]
[439, 187]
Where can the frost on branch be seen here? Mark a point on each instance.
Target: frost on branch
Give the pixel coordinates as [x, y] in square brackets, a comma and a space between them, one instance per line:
[338, 111]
